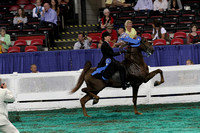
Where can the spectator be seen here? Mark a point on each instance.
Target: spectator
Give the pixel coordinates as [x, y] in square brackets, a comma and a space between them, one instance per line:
[189, 62]
[83, 43]
[6, 96]
[117, 3]
[159, 32]
[20, 18]
[144, 5]
[49, 16]
[160, 5]
[37, 11]
[106, 18]
[129, 29]
[112, 32]
[34, 69]
[54, 5]
[4, 40]
[193, 37]
[123, 34]
[175, 5]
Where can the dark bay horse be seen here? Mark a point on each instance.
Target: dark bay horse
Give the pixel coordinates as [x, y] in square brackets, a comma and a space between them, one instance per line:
[137, 73]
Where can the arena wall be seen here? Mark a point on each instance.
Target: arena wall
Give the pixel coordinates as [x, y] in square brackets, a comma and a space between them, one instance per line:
[46, 91]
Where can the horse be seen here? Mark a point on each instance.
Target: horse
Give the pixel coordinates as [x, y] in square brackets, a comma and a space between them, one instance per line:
[136, 70]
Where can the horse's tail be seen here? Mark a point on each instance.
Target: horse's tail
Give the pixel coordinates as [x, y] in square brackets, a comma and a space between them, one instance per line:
[81, 78]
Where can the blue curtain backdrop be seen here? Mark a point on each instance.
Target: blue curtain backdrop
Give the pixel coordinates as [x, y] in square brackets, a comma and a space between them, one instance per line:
[68, 60]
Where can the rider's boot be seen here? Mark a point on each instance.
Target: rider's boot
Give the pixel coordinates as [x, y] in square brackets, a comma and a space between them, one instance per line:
[125, 85]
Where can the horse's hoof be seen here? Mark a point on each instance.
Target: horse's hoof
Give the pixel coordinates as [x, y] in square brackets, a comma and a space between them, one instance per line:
[138, 113]
[95, 101]
[156, 83]
[87, 116]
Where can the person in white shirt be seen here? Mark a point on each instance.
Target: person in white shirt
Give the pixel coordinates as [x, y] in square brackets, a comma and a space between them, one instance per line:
[144, 5]
[37, 11]
[160, 5]
[6, 96]
[158, 32]
[83, 43]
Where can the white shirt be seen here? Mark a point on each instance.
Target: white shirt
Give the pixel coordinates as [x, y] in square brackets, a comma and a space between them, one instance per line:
[5, 97]
[34, 12]
[2, 38]
[143, 5]
[86, 45]
[160, 5]
[163, 31]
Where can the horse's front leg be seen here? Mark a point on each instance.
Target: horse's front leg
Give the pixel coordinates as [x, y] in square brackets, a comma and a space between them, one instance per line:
[135, 93]
[152, 74]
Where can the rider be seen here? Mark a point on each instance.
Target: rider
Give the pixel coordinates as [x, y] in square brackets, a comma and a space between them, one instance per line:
[114, 66]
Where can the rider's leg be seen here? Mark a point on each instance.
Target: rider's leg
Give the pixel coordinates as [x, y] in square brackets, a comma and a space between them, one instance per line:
[122, 73]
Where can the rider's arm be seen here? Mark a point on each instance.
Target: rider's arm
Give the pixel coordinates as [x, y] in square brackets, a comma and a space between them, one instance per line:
[106, 51]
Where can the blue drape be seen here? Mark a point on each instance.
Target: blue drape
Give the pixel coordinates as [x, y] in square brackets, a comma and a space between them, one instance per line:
[68, 60]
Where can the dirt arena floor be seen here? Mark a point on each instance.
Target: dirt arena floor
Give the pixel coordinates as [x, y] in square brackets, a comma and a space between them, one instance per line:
[167, 118]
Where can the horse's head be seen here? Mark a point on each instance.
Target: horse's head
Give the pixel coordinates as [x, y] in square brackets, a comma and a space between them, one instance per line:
[146, 46]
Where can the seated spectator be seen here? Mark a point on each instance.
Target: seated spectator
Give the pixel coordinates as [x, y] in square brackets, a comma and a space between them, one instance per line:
[114, 3]
[143, 5]
[189, 62]
[34, 69]
[160, 5]
[37, 11]
[193, 37]
[20, 18]
[123, 34]
[175, 5]
[158, 32]
[4, 40]
[112, 32]
[83, 43]
[54, 6]
[129, 29]
[106, 18]
[49, 16]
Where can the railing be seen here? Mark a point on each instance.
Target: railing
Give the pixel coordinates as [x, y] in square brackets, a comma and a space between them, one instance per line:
[45, 91]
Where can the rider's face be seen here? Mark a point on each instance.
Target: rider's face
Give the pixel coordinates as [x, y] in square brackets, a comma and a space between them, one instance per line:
[107, 38]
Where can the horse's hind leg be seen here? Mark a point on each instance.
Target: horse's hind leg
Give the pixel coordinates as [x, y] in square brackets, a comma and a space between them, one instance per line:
[152, 74]
[83, 101]
[96, 98]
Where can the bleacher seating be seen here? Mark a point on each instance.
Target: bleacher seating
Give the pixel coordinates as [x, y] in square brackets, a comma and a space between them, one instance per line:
[31, 49]
[14, 49]
[159, 42]
[177, 41]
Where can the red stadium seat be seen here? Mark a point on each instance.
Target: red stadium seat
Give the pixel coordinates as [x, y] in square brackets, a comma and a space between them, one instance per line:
[33, 1]
[177, 41]
[96, 38]
[147, 36]
[198, 32]
[159, 42]
[31, 49]
[23, 2]
[20, 43]
[93, 46]
[14, 49]
[36, 42]
[180, 35]
[29, 7]
[14, 8]
[94, 34]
